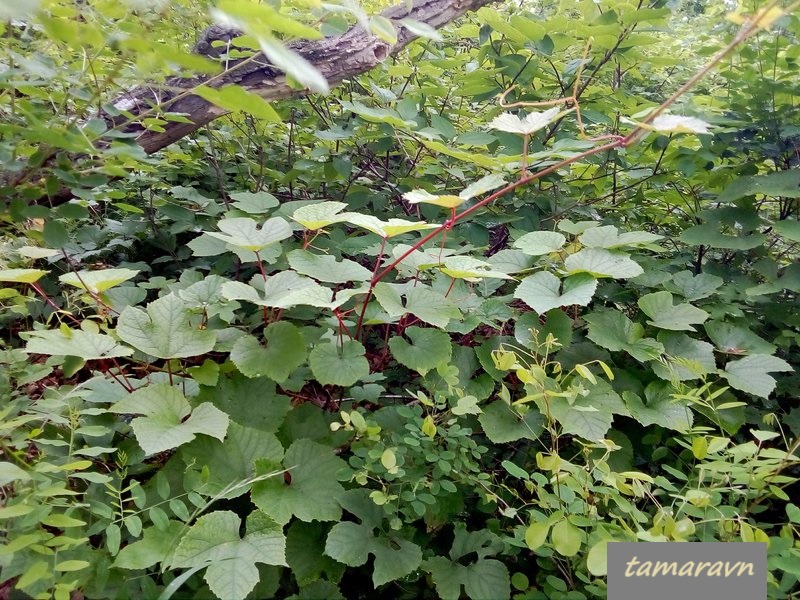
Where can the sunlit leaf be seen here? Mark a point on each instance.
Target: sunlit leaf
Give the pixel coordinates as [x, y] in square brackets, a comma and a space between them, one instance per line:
[168, 419]
[527, 125]
[21, 275]
[98, 281]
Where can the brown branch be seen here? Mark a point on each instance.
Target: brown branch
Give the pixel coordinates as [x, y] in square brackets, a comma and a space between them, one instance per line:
[337, 58]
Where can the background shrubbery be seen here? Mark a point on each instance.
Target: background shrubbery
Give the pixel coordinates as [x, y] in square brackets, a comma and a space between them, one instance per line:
[214, 385]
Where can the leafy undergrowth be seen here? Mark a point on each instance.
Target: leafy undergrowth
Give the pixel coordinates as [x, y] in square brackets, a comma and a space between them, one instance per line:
[436, 348]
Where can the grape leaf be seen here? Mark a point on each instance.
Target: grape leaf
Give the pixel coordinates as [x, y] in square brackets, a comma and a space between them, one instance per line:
[678, 317]
[284, 352]
[213, 540]
[164, 330]
[352, 543]
[310, 490]
[539, 243]
[602, 263]
[541, 292]
[429, 348]
[74, 342]
[169, 420]
[332, 365]
[751, 373]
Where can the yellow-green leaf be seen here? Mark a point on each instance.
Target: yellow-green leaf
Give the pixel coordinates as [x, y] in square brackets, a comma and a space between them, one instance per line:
[21, 275]
[566, 538]
[429, 427]
[235, 98]
[536, 534]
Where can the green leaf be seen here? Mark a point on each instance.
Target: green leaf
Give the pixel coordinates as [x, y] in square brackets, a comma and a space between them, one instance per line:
[471, 269]
[510, 261]
[430, 306]
[10, 472]
[389, 296]
[349, 543]
[395, 557]
[788, 229]
[236, 99]
[164, 331]
[386, 229]
[503, 424]
[243, 232]
[679, 317]
[602, 263]
[788, 280]
[778, 183]
[529, 331]
[319, 215]
[536, 534]
[232, 466]
[305, 546]
[694, 287]
[597, 559]
[421, 29]
[205, 374]
[326, 268]
[169, 420]
[483, 185]
[21, 275]
[686, 358]
[541, 291]
[214, 541]
[530, 123]
[429, 349]
[378, 115]
[751, 373]
[482, 577]
[383, 29]
[250, 402]
[294, 65]
[467, 405]
[608, 237]
[98, 281]
[486, 578]
[612, 330]
[352, 543]
[709, 234]
[31, 252]
[733, 338]
[284, 289]
[661, 409]
[332, 365]
[539, 243]
[566, 538]
[590, 415]
[311, 490]
[155, 546]
[264, 19]
[284, 352]
[75, 342]
[576, 228]
[254, 203]
[320, 588]
[72, 565]
[62, 521]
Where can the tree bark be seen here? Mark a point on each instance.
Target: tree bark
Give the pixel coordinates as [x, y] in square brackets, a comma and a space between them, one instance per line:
[337, 58]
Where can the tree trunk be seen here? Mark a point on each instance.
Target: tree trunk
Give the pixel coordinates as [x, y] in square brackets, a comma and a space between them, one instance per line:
[337, 58]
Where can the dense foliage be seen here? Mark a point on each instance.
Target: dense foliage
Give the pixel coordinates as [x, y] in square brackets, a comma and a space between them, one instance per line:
[403, 336]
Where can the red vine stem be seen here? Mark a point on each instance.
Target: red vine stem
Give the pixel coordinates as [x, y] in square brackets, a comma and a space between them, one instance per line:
[747, 30]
